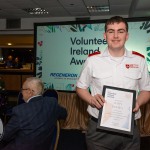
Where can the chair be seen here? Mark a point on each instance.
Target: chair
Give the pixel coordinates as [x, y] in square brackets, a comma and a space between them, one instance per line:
[55, 138]
[57, 135]
[50, 93]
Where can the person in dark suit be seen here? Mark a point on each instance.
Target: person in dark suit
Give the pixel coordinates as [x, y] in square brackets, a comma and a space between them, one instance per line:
[33, 122]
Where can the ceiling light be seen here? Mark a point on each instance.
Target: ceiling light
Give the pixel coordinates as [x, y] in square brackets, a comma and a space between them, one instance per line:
[9, 44]
[36, 11]
[98, 8]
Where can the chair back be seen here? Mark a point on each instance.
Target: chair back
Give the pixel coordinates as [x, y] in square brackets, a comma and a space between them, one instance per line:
[55, 138]
[50, 93]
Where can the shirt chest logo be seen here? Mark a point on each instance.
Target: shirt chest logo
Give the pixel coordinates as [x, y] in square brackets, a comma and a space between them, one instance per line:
[128, 66]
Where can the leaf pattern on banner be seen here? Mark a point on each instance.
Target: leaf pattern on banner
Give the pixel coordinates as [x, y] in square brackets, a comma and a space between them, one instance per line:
[39, 66]
[146, 26]
[48, 85]
[73, 28]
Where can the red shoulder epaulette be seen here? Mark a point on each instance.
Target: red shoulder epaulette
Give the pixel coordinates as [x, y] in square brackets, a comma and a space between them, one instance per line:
[95, 53]
[136, 53]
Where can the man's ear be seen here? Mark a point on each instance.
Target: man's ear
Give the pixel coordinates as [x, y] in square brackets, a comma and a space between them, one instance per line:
[127, 36]
[104, 35]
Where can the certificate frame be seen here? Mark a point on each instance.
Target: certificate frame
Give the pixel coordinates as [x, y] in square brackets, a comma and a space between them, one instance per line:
[114, 116]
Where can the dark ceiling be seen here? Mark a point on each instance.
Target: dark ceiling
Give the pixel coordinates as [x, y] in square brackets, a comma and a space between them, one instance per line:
[74, 8]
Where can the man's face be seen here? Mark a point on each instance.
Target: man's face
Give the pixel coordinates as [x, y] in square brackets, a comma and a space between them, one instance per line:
[116, 36]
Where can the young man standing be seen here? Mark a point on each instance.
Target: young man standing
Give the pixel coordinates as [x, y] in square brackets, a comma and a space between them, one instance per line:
[110, 68]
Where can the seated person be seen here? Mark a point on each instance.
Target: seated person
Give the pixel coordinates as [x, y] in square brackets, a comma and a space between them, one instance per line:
[32, 123]
[9, 62]
[17, 64]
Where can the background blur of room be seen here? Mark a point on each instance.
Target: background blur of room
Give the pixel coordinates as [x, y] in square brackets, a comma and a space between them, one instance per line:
[20, 46]
[25, 55]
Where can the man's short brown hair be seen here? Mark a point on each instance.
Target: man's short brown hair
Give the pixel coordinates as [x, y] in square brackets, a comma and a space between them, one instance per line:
[116, 19]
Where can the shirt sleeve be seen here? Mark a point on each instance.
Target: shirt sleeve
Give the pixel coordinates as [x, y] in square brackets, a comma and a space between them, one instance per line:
[85, 75]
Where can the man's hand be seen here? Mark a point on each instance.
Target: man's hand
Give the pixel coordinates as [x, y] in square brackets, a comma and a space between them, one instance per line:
[137, 107]
[97, 101]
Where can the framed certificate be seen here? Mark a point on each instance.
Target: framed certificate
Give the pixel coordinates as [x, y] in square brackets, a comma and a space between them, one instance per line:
[117, 113]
